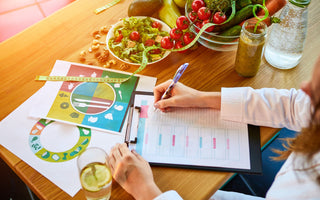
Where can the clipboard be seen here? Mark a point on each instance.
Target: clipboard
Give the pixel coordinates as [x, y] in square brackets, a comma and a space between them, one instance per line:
[136, 140]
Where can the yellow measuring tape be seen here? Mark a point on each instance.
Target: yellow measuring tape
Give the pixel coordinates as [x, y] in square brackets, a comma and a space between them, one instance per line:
[103, 8]
[144, 56]
[81, 79]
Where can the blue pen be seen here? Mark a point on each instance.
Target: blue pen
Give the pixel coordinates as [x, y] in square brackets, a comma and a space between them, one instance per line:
[176, 78]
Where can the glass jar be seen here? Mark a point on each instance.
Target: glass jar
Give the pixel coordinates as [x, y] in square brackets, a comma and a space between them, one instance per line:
[286, 41]
[250, 48]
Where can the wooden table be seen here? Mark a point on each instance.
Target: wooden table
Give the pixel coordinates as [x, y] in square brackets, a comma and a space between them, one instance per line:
[69, 31]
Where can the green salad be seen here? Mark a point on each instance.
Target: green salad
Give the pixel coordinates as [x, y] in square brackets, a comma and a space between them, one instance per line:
[134, 36]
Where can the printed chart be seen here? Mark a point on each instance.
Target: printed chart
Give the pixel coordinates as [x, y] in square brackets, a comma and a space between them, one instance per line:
[89, 104]
[191, 136]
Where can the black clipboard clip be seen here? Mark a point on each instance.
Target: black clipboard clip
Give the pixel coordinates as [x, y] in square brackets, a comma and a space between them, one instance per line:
[128, 137]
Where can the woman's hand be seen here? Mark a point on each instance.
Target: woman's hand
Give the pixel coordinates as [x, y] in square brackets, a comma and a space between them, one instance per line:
[133, 173]
[184, 96]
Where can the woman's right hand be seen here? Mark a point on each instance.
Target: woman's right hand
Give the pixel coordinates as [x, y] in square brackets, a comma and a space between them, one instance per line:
[181, 96]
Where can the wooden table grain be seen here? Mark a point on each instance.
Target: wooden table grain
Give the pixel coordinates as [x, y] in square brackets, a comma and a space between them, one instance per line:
[63, 35]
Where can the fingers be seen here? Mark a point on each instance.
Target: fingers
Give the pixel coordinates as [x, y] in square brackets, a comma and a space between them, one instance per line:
[118, 154]
[124, 150]
[114, 157]
[160, 89]
[137, 155]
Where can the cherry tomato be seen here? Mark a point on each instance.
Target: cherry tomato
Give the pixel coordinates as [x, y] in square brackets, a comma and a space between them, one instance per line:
[156, 24]
[166, 43]
[209, 29]
[198, 26]
[149, 42]
[219, 17]
[204, 13]
[196, 4]
[178, 45]
[193, 16]
[188, 37]
[134, 35]
[182, 22]
[176, 33]
[119, 38]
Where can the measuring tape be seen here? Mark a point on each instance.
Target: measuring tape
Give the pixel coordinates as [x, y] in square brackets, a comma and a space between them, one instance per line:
[103, 8]
[144, 61]
[82, 79]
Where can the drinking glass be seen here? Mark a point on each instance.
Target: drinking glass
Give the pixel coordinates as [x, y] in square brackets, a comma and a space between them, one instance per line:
[95, 174]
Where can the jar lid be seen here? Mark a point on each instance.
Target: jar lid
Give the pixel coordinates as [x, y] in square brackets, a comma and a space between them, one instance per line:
[300, 3]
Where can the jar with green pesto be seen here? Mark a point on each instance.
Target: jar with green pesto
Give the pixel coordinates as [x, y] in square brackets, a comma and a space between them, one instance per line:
[250, 48]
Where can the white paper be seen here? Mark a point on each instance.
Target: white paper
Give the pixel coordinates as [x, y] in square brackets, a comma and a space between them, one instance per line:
[58, 142]
[191, 136]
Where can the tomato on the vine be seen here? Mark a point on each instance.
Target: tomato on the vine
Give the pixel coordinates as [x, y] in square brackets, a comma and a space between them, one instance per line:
[210, 28]
[196, 4]
[156, 24]
[166, 43]
[204, 13]
[178, 45]
[198, 25]
[193, 15]
[188, 37]
[176, 33]
[182, 22]
[134, 35]
[219, 17]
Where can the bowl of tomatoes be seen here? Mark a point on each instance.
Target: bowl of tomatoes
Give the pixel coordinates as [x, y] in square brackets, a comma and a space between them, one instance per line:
[216, 37]
[128, 38]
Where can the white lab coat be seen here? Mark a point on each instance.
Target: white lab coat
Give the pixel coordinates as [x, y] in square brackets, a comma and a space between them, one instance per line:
[273, 108]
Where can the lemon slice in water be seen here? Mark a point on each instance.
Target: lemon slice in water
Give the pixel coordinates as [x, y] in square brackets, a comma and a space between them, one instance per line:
[95, 176]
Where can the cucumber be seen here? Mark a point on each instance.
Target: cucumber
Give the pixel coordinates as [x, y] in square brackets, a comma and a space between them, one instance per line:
[240, 16]
[257, 2]
[233, 31]
[242, 3]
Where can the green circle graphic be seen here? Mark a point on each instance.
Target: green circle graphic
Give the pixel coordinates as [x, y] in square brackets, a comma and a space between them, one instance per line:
[44, 154]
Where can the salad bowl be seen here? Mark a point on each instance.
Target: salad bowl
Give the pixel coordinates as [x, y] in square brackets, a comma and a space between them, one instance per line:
[212, 40]
[123, 50]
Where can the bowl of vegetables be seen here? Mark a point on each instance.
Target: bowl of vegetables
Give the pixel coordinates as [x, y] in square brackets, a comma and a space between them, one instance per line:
[128, 39]
[222, 37]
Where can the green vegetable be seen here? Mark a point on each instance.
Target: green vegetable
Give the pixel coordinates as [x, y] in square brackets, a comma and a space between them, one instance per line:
[218, 5]
[257, 2]
[147, 32]
[243, 3]
[240, 16]
[233, 31]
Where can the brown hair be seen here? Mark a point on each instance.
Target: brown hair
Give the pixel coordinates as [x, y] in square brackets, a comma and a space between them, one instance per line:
[307, 142]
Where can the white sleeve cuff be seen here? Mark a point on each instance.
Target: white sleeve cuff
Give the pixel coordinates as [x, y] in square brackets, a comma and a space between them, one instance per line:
[231, 104]
[169, 195]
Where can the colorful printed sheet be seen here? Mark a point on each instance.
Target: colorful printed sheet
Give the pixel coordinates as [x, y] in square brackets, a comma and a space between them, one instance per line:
[102, 106]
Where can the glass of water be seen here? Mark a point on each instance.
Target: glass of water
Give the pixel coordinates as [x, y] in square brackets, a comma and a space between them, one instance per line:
[95, 174]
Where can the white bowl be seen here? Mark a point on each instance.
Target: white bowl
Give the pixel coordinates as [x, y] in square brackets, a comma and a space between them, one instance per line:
[164, 27]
